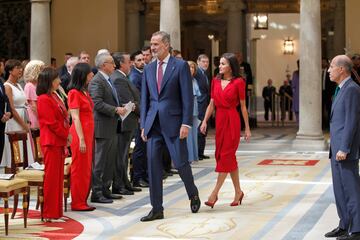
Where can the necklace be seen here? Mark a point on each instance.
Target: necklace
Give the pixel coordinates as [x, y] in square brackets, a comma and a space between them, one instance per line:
[229, 79]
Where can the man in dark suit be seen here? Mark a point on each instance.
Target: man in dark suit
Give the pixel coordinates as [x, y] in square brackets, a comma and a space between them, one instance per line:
[203, 100]
[126, 92]
[65, 78]
[344, 149]
[63, 69]
[268, 94]
[106, 113]
[5, 115]
[139, 159]
[166, 115]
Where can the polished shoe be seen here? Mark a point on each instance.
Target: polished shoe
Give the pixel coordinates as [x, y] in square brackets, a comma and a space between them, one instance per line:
[122, 191]
[203, 157]
[141, 183]
[238, 202]
[195, 204]
[337, 232]
[352, 236]
[112, 196]
[133, 189]
[211, 204]
[101, 199]
[173, 171]
[153, 216]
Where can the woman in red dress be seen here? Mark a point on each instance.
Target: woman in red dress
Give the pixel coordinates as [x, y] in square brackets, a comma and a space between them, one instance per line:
[54, 137]
[227, 92]
[82, 130]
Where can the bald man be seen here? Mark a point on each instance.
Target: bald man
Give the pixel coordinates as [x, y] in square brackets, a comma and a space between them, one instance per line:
[344, 149]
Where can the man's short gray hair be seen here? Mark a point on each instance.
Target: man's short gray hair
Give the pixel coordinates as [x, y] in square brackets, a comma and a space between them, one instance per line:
[165, 37]
[101, 58]
[71, 62]
[201, 56]
[345, 62]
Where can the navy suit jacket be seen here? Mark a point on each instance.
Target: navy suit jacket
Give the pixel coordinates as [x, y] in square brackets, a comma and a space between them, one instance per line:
[175, 102]
[344, 121]
[136, 77]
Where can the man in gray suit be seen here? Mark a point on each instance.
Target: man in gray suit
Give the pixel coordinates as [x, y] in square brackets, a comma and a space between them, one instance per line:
[126, 92]
[344, 149]
[106, 114]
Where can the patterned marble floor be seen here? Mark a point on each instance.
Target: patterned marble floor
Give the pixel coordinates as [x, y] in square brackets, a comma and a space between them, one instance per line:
[288, 195]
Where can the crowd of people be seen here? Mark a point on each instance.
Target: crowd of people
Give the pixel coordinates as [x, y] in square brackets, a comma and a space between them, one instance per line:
[164, 103]
[83, 111]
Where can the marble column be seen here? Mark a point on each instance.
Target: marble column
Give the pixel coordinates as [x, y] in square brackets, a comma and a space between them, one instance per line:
[132, 26]
[339, 27]
[40, 40]
[310, 135]
[170, 21]
[234, 25]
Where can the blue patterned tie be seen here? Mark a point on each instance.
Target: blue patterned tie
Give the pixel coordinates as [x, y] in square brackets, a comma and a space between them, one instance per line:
[113, 91]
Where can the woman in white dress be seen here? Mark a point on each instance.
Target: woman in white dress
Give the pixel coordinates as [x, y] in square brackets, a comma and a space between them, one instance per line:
[17, 99]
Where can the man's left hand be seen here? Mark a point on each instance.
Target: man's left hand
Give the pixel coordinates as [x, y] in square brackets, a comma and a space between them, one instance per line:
[340, 156]
[184, 131]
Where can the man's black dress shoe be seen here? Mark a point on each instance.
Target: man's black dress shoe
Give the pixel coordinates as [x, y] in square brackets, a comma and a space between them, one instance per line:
[173, 171]
[101, 199]
[133, 189]
[337, 232]
[195, 204]
[141, 183]
[352, 236]
[201, 157]
[112, 196]
[152, 216]
[122, 191]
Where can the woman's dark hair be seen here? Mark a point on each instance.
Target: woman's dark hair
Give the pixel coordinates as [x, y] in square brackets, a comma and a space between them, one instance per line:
[234, 64]
[10, 65]
[45, 80]
[79, 76]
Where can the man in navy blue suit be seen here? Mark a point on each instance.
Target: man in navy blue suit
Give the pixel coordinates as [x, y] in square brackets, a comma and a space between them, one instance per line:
[203, 100]
[166, 116]
[344, 149]
[5, 115]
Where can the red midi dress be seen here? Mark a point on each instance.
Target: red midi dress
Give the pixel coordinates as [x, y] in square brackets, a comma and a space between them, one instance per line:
[227, 122]
[81, 162]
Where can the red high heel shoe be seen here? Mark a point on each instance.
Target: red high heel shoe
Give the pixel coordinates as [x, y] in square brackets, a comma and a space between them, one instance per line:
[238, 202]
[211, 204]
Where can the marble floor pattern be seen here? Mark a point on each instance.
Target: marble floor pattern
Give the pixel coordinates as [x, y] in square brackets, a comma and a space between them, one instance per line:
[290, 197]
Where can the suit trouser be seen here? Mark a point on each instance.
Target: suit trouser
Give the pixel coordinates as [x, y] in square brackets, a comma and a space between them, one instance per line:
[157, 141]
[121, 178]
[201, 137]
[104, 163]
[53, 181]
[139, 158]
[2, 139]
[346, 184]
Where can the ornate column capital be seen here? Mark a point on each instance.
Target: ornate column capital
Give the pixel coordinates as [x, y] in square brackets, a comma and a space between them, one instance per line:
[233, 5]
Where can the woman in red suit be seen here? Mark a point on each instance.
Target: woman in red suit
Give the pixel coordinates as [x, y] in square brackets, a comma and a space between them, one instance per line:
[227, 92]
[54, 137]
[82, 130]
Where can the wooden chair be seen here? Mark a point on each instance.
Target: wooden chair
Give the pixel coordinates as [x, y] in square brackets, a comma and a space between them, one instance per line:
[38, 156]
[19, 163]
[14, 187]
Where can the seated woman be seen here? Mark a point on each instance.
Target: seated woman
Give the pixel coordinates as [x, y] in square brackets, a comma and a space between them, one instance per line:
[54, 137]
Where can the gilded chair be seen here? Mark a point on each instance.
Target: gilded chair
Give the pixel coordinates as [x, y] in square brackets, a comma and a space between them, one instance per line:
[14, 187]
[19, 164]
